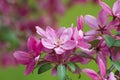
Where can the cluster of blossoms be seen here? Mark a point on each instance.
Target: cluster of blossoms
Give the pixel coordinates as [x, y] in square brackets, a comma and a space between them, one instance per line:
[61, 48]
[19, 17]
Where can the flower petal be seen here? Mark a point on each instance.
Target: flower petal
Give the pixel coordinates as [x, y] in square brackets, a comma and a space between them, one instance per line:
[80, 32]
[31, 43]
[40, 31]
[86, 50]
[39, 47]
[29, 68]
[48, 44]
[60, 31]
[84, 44]
[102, 18]
[50, 34]
[22, 57]
[66, 35]
[105, 7]
[116, 8]
[80, 23]
[112, 76]
[77, 34]
[91, 33]
[92, 74]
[37, 58]
[59, 50]
[69, 45]
[89, 38]
[101, 67]
[91, 21]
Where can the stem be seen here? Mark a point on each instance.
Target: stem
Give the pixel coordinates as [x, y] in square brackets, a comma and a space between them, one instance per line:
[79, 76]
[112, 68]
[110, 53]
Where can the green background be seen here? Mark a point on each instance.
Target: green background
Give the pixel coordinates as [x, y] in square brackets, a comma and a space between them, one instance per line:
[70, 17]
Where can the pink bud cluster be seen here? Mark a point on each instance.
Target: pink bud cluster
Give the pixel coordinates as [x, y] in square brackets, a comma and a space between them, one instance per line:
[63, 45]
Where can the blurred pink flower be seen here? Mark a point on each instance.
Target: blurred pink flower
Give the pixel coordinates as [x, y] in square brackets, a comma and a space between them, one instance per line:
[53, 6]
[8, 60]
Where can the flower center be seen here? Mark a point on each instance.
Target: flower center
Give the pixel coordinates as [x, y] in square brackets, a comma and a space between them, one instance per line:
[58, 42]
[101, 29]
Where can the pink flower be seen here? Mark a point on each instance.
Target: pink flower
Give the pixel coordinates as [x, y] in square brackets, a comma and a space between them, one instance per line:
[78, 36]
[115, 11]
[31, 57]
[102, 76]
[59, 41]
[98, 25]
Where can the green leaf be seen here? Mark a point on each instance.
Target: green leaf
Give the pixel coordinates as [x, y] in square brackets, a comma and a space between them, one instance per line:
[94, 43]
[41, 63]
[116, 64]
[72, 66]
[109, 40]
[44, 67]
[61, 72]
[117, 43]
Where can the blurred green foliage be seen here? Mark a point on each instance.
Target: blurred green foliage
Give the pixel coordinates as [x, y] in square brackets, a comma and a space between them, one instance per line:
[7, 36]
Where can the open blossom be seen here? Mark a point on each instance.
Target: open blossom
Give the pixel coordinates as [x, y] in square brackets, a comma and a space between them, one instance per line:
[31, 57]
[98, 25]
[59, 41]
[102, 76]
[115, 11]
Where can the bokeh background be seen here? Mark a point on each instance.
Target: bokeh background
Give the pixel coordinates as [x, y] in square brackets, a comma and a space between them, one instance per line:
[17, 25]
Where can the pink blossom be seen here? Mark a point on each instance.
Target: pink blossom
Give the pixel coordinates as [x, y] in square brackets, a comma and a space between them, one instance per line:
[31, 57]
[102, 76]
[59, 41]
[80, 43]
[78, 36]
[98, 25]
[115, 11]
